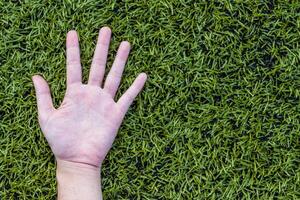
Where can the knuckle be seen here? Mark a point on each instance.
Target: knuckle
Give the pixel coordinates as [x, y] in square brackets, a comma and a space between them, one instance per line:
[73, 62]
[116, 74]
[98, 61]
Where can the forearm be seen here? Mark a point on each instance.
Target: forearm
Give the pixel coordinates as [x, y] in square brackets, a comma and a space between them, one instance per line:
[78, 181]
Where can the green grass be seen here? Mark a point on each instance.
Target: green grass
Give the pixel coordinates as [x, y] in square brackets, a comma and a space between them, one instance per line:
[219, 116]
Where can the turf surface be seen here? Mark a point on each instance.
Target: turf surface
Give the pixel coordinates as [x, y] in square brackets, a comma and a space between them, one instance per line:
[218, 119]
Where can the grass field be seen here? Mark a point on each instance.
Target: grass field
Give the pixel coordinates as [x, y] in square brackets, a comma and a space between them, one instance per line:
[219, 116]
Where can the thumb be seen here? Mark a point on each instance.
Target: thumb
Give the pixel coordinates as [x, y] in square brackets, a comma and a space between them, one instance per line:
[44, 100]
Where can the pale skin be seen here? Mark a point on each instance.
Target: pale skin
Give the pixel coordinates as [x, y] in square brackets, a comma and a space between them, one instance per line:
[81, 131]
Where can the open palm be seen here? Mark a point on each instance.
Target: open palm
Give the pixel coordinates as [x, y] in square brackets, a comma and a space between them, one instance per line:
[84, 127]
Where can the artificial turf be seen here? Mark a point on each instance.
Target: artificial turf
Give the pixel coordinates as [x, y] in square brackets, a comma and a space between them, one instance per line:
[219, 115]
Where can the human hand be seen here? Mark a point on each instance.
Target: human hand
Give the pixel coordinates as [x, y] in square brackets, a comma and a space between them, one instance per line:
[85, 125]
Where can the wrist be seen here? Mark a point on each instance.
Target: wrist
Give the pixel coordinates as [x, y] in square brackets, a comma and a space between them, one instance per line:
[77, 180]
[70, 167]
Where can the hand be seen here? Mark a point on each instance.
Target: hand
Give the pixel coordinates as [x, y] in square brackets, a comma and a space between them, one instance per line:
[85, 125]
